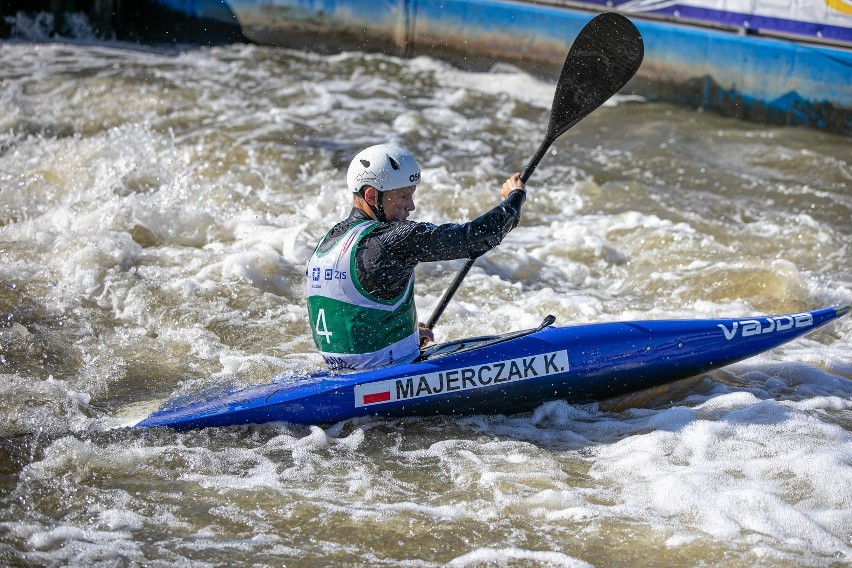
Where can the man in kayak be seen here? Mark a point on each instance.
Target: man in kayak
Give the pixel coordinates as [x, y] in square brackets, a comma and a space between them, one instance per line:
[360, 279]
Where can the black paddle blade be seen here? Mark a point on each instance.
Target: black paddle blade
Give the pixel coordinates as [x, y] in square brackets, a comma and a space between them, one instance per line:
[605, 55]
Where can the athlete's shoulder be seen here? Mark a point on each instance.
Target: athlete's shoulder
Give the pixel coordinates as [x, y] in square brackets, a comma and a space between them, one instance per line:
[402, 229]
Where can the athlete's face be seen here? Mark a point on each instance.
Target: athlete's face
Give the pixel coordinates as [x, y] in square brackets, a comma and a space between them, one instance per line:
[398, 203]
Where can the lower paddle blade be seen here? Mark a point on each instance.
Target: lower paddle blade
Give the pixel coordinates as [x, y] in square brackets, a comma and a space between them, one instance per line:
[602, 59]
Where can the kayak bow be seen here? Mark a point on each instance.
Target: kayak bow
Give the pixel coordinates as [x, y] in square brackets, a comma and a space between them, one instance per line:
[506, 373]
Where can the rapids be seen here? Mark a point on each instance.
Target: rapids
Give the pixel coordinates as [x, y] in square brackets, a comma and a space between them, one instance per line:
[157, 208]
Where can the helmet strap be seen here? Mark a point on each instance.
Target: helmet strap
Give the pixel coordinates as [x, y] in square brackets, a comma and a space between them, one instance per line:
[378, 210]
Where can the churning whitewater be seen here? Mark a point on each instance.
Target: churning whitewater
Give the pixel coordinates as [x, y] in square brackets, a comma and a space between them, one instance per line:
[157, 209]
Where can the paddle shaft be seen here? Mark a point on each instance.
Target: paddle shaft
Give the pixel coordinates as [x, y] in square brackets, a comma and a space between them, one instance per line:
[454, 286]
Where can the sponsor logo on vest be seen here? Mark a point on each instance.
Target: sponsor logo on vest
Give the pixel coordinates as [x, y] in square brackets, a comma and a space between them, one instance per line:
[460, 379]
[331, 274]
[761, 326]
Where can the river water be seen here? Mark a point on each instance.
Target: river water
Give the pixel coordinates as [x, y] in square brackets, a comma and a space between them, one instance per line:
[157, 207]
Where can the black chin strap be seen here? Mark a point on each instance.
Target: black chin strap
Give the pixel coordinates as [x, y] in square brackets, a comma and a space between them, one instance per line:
[378, 210]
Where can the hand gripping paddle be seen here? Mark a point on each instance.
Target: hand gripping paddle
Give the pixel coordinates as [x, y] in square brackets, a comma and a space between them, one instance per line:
[603, 57]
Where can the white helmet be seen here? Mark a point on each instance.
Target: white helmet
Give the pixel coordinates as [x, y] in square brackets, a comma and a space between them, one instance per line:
[384, 167]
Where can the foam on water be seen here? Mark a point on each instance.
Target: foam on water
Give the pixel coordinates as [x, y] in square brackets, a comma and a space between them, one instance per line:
[740, 468]
[156, 212]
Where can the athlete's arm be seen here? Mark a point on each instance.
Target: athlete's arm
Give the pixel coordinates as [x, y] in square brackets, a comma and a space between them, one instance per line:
[427, 242]
[387, 257]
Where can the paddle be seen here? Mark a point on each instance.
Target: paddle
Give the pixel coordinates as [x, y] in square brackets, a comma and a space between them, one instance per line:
[603, 57]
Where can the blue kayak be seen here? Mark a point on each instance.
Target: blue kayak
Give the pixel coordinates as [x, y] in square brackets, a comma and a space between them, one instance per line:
[504, 374]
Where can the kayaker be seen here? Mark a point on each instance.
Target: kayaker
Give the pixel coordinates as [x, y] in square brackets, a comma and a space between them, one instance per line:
[360, 279]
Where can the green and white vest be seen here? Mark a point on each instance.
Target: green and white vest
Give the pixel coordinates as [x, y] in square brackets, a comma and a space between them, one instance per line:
[352, 328]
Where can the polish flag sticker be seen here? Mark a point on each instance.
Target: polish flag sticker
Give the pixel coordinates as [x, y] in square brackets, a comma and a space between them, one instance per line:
[374, 397]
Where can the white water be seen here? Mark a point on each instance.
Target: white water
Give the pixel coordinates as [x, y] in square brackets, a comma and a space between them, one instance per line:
[156, 211]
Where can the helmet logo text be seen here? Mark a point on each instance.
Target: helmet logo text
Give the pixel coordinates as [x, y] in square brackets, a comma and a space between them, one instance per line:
[365, 177]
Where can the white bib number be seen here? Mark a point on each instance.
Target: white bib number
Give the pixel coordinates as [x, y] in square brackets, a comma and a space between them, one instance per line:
[321, 327]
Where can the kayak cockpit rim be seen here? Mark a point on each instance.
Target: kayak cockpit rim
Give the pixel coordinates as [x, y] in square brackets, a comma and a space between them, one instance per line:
[470, 343]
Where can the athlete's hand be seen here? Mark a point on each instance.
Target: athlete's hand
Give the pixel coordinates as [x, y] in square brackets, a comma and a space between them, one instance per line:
[426, 335]
[511, 185]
